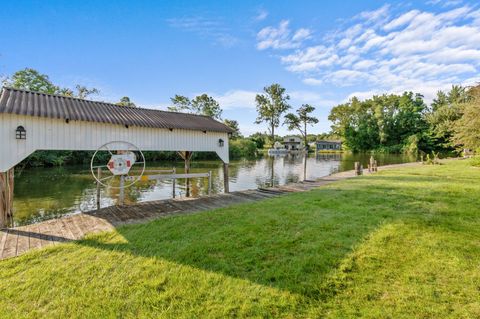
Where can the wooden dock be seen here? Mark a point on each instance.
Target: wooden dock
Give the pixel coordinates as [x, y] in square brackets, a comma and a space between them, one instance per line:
[18, 240]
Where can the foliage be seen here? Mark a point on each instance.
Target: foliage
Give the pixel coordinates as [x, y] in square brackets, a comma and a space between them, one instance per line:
[125, 101]
[234, 126]
[467, 128]
[241, 148]
[301, 120]
[32, 80]
[260, 139]
[400, 244]
[271, 106]
[475, 161]
[382, 122]
[446, 108]
[201, 104]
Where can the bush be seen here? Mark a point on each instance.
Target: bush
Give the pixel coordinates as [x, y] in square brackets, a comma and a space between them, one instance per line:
[242, 148]
[475, 161]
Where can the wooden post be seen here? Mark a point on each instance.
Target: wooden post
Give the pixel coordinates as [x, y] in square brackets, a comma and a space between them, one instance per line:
[209, 183]
[6, 197]
[187, 155]
[121, 197]
[357, 169]
[371, 166]
[375, 167]
[225, 178]
[305, 167]
[174, 181]
[99, 176]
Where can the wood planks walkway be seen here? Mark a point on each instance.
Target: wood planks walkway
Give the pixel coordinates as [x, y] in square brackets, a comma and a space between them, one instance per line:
[18, 240]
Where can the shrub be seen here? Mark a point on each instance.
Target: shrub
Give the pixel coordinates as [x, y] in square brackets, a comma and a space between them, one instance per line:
[242, 148]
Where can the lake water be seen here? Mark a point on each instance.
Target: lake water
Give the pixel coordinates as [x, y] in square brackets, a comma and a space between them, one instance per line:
[43, 193]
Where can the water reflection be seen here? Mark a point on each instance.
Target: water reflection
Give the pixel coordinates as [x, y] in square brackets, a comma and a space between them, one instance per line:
[43, 193]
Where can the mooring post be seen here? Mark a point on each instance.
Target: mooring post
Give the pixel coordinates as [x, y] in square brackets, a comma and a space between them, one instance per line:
[174, 170]
[371, 166]
[375, 167]
[225, 178]
[357, 168]
[99, 175]
[209, 183]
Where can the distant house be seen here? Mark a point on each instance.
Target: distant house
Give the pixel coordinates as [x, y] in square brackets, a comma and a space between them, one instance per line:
[293, 143]
[325, 145]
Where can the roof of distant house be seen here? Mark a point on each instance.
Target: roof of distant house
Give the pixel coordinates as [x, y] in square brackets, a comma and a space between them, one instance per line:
[29, 103]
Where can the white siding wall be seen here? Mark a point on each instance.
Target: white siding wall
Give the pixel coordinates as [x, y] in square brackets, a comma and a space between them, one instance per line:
[53, 134]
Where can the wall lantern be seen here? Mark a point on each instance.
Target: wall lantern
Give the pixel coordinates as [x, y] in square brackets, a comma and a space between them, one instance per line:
[221, 143]
[20, 133]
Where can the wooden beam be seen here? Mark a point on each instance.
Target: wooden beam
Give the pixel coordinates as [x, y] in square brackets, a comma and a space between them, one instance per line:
[225, 178]
[6, 197]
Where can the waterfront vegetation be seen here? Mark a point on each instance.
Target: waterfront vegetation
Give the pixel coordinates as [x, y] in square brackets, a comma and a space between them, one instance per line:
[402, 243]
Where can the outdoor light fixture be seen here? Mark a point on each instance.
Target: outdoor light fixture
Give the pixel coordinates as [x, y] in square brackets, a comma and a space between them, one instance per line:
[20, 133]
[221, 142]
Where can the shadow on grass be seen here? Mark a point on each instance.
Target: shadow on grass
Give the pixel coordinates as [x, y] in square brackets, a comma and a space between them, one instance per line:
[293, 242]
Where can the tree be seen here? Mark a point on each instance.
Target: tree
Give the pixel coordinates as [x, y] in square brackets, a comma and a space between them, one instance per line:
[271, 106]
[234, 126]
[467, 128]
[32, 80]
[301, 120]
[201, 104]
[125, 101]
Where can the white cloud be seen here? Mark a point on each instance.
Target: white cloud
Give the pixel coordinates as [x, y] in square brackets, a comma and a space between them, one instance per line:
[281, 37]
[262, 15]
[236, 99]
[382, 51]
[207, 28]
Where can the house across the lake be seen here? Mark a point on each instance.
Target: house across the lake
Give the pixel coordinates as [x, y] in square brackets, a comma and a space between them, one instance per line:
[293, 143]
[331, 145]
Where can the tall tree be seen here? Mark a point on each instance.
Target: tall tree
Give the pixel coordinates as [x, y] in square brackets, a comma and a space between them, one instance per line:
[301, 121]
[32, 80]
[271, 106]
[201, 104]
[125, 101]
[234, 126]
[467, 128]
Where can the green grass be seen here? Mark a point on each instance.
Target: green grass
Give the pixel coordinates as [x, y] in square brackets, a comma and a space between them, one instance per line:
[402, 243]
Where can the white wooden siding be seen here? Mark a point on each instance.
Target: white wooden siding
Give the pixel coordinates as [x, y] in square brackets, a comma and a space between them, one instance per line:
[55, 134]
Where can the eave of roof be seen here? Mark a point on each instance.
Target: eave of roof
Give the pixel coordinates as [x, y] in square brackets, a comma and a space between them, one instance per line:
[29, 103]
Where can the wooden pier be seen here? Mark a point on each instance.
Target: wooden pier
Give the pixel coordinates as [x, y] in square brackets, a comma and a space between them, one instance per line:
[18, 240]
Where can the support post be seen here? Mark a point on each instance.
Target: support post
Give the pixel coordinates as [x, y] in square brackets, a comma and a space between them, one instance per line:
[187, 155]
[99, 175]
[305, 167]
[209, 183]
[6, 197]
[225, 178]
[121, 197]
[174, 181]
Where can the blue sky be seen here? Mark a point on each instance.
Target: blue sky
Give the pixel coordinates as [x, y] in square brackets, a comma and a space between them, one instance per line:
[322, 53]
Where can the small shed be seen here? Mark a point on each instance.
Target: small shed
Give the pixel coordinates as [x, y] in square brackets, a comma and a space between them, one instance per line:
[329, 145]
[31, 121]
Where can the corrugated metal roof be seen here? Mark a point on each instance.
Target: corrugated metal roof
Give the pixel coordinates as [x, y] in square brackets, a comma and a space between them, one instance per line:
[21, 102]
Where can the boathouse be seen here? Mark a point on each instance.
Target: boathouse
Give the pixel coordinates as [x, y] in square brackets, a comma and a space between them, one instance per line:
[329, 145]
[31, 121]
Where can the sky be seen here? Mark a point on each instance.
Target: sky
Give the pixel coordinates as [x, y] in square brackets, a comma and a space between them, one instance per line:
[322, 52]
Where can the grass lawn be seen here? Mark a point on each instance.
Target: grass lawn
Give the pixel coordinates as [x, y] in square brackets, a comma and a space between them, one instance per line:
[403, 243]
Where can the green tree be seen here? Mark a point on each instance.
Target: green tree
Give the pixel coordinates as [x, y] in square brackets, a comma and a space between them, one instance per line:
[201, 104]
[125, 101]
[235, 127]
[271, 106]
[31, 80]
[301, 120]
[259, 138]
[467, 128]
